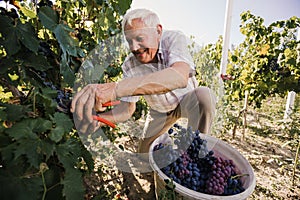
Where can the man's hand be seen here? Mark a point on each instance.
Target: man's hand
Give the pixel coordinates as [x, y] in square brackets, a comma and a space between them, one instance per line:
[88, 101]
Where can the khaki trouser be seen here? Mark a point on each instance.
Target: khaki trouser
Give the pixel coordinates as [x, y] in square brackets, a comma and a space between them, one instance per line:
[198, 106]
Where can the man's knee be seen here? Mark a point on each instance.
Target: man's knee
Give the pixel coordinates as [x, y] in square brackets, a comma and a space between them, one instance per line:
[206, 97]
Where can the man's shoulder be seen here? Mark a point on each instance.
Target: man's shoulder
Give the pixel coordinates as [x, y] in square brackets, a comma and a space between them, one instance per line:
[172, 33]
[173, 36]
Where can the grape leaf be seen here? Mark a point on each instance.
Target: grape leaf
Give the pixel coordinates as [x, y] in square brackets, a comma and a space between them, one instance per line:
[38, 62]
[121, 6]
[25, 133]
[73, 184]
[15, 112]
[23, 129]
[66, 71]
[3, 115]
[29, 148]
[18, 187]
[46, 148]
[57, 134]
[67, 43]
[28, 128]
[68, 154]
[27, 12]
[48, 103]
[7, 151]
[88, 158]
[10, 35]
[63, 125]
[21, 32]
[63, 120]
[27, 36]
[48, 17]
[34, 150]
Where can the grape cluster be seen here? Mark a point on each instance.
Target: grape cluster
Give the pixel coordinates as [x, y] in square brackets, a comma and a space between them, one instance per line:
[221, 171]
[194, 166]
[63, 100]
[273, 65]
[63, 97]
[45, 50]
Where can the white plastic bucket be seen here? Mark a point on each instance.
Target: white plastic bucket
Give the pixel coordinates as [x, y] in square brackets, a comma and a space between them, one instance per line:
[221, 149]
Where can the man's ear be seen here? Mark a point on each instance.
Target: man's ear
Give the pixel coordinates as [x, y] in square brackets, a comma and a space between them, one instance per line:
[159, 29]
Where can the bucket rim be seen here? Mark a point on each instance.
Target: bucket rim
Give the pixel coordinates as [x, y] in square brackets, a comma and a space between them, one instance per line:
[187, 192]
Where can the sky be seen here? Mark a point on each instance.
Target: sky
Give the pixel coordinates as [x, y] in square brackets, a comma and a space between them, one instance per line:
[204, 19]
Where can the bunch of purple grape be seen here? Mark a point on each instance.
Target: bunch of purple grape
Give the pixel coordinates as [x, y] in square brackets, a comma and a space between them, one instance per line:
[192, 165]
[63, 96]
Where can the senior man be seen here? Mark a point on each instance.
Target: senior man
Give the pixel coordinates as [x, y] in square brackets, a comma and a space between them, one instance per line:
[159, 68]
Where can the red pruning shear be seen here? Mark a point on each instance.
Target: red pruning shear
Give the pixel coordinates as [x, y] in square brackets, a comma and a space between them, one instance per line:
[100, 119]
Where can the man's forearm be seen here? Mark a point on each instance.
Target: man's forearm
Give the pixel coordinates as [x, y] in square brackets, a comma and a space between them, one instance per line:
[155, 83]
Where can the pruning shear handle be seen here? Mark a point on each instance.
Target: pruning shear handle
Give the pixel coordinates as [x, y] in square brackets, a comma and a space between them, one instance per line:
[100, 119]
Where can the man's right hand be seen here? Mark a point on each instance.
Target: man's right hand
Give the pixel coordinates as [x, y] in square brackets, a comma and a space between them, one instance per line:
[87, 102]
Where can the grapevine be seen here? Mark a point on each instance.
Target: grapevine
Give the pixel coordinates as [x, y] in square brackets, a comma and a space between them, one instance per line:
[42, 46]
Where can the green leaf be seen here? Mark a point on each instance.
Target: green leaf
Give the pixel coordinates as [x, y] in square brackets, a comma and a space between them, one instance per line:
[29, 128]
[17, 187]
[27, 36]
[11, 44]
[68, 154]
[6, 63]
[6, 24]
[7, 151]
[66, 42]
[25, 133]
[12, 34]
[41, 125]
[63, 125]
[16, 112]
[46, 148]
[48, 92]
[29, 148]
[63, 120]
[88, 158]
[48, 103]
[27, 12]
[109, 15]
[57, 134]
[99, 2]
[66, 71]
[234, 58]
[9, 33]
[123, 6]
[48, 17]
[37, 62]
[73, 184]
[20, 130]
[3, 114]
[35, 150]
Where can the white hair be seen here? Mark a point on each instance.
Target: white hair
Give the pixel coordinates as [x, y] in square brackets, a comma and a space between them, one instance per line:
[149, 18]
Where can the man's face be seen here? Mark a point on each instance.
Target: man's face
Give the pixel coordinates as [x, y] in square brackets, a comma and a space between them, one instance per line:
[143, 41]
